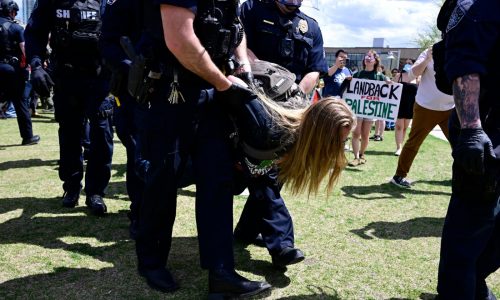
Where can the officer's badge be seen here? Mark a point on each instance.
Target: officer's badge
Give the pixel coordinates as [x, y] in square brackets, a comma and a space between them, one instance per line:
[303, 26]
[111, 2]
[458, 13]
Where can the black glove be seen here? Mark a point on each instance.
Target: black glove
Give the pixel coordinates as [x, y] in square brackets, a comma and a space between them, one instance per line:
[40, 79]
[473, 150]
[248, 78]
[106, 108]
[235, 96]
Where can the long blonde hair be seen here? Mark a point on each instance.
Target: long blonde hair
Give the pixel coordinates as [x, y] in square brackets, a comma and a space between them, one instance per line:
[315, 134]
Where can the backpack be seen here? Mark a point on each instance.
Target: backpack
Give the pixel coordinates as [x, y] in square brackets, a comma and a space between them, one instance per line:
[439, 48]
[278, 84]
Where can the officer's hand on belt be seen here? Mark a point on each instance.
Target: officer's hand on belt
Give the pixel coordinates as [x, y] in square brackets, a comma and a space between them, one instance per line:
[473, 150]
[40, 80]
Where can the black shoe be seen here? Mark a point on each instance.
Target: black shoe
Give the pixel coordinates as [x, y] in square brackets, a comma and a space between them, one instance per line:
[483, 292]
[96, 205]
[160, 279]
[70, 198]
[245, 240]
[31, 141]
[223, 284]
[287, 256]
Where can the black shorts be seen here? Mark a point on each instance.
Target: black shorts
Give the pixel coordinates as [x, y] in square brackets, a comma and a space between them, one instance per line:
[407, 101]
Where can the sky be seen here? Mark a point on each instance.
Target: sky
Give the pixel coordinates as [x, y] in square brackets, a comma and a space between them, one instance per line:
[354, 23]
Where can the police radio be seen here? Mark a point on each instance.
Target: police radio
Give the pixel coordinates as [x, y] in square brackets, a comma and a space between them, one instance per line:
[215, 38]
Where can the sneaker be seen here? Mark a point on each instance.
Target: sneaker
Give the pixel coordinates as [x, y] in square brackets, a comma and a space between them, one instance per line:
[401, 182]
[362, 159]
[398, 152]
[354, 163]
[378, 138]
[374, 137]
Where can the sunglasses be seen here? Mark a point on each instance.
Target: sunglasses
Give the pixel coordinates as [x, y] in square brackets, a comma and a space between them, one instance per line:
[369, 58]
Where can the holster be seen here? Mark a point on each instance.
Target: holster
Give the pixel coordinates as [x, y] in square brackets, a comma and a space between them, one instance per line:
[141, 80]
[136, 78]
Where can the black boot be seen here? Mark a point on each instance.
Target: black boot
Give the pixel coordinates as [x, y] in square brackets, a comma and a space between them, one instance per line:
[159, 279]
[70, 198]
[96, 205]
[483, 292]
[287, 256]
[223, 283]
[31, 141]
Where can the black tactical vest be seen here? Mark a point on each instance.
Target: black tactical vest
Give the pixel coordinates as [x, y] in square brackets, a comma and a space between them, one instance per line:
[77, 29]
[8, 48]
[218, 28]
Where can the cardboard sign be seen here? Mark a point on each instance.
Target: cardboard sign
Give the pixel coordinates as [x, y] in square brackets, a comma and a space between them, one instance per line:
[374, 99]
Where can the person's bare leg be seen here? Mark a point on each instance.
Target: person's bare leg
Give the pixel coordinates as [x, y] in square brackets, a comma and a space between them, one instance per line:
[366, 125]
[356, 134]
[399, 133]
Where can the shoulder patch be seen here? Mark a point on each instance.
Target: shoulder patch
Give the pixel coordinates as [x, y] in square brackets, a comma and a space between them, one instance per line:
[111, 2]
[458, 13]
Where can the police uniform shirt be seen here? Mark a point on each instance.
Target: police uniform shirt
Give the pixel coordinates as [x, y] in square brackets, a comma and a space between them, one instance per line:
[473, 44]
[264, 31]
[15, 36]
[113, 27]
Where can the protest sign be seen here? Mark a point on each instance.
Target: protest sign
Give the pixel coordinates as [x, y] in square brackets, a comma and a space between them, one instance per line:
[374, 99]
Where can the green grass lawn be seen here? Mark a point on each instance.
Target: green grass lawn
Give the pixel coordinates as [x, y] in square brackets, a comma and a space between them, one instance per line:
[368, 240]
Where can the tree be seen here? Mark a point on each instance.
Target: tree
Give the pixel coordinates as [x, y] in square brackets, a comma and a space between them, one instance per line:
[431, 34]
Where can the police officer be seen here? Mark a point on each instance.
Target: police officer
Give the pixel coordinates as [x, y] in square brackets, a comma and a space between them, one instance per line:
[126, 112]
[178, 98]
[80, 91]
[12, 68]
[470, 246]
[277, 31]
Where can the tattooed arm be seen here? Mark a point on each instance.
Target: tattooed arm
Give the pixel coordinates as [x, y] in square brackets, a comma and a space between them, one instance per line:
[466, 95]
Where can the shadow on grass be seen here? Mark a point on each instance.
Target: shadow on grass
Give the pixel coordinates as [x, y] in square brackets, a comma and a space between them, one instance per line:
[414, 228]
[187, 193]
[275, 277]
[27, 163]
[390, 191]
[120, 169]
[427, 296]
[86, 242]
[378, 152]
[316, 292]
[2, 147]
[423, 296]
[446, 182]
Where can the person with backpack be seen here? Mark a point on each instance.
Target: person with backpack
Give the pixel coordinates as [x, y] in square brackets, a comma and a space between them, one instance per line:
[81, 87]
[13, 72]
